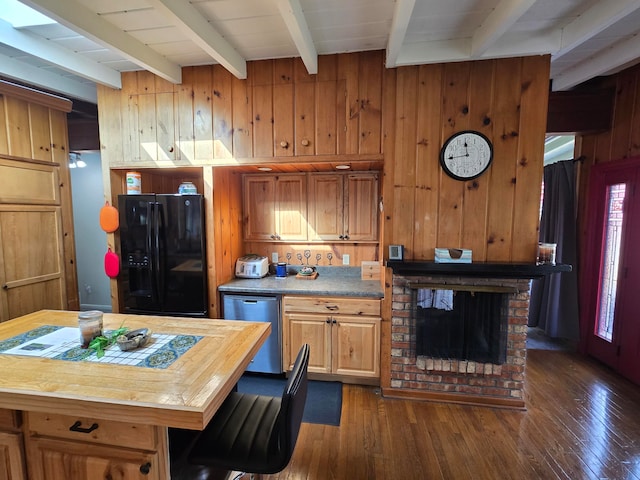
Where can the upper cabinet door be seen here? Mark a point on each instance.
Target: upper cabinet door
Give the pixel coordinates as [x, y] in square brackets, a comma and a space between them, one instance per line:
[326, 200]
[343, 207]
[361, 207]
[275, 207]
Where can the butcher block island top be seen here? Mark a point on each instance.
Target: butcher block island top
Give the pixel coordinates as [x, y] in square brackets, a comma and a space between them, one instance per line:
[184, 394]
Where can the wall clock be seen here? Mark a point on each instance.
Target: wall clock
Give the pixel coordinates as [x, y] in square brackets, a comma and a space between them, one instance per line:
[466, 155]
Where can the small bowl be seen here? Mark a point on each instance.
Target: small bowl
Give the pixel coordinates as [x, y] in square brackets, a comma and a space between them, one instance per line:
[307, 270]
[133, 339]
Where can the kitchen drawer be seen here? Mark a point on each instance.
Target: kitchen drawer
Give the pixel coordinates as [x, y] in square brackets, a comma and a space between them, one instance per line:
[105, 432]
[9, 419]
[332, 305]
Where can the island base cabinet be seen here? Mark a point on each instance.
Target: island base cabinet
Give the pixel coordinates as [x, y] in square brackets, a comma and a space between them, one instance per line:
[83, 448]
[11, 458]
[50, 459]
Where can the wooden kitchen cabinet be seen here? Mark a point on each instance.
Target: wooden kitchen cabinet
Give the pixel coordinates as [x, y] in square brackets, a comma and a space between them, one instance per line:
[12, 464]
[343, 334]
[77, 448]
[275, 207]
[343, 207]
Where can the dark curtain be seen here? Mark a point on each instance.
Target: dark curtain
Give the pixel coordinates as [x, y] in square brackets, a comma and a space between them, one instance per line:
[554, 298]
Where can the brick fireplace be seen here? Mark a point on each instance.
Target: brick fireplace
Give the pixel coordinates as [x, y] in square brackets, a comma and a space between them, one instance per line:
[456, 379]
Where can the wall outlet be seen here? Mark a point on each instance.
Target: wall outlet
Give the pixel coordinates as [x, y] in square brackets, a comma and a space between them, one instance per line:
[345, 259]
[274, 257]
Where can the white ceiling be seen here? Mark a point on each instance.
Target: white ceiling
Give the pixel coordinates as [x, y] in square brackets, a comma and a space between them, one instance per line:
[95, 40]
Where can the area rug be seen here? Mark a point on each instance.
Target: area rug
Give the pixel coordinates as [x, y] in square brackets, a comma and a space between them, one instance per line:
[324, 399]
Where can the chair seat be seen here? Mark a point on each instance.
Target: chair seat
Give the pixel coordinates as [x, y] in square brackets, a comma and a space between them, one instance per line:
[241, 431]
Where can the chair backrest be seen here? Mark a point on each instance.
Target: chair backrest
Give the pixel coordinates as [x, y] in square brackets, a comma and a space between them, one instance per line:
[294, 398]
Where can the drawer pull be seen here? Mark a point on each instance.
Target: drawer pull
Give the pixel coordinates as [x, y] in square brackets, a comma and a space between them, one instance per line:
[145, 468]
[332, 307]
[77, 428]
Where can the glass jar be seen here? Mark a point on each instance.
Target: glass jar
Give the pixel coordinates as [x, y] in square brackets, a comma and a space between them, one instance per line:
[187, 187]
[90, 325]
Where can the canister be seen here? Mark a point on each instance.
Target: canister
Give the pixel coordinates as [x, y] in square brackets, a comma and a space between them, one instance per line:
[134, 183]
[90, 326]
[281, 269]
[547, 253]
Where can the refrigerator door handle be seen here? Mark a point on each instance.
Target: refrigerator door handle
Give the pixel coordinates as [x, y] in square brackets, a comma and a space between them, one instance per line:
[155, 238]
[160, 252]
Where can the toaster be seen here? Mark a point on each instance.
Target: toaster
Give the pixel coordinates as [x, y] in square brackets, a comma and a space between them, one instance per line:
[252, 266]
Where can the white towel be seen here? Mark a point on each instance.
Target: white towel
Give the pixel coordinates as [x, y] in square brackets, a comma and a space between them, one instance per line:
[431, 298]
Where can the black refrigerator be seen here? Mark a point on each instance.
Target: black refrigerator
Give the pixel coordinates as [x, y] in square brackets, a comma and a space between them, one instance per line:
[162, 247]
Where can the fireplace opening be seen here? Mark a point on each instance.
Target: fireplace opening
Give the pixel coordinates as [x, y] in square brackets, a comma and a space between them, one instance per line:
[461, 322]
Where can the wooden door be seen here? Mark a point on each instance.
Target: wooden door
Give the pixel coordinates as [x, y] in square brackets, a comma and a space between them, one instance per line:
[313, 329]
[326, 200]
[361, 210]
[356, 346]
[31, 260]
[259, 207]
[613, 268]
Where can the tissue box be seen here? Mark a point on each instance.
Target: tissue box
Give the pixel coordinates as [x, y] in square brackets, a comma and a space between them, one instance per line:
[453, 255]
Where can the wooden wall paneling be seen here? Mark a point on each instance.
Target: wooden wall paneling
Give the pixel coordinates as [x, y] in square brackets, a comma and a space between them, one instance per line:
[304, 106]
[59, 136]
[4, 142]
[506, 124]
[283, 136]
[17, 117]
[341, 116]
[404, 168]
[260, 78]
[476, 191]
[146, 113]
[634, 140]
[370, 95]
[39, 125]
[242, 123]
[623, 114]
[146, 82]
[130, 133]
[348, 71]
[327, 68]
[326, 117]
[263, 120]
[429, 94]
[222, 113]
[185, 119]
[387, 179]
[455, 117]
[166, 127]
[283, 71]
[530, 158]
[202, 119]
[210, 226]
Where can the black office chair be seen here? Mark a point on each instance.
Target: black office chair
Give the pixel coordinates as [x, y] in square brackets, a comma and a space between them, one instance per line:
[255, 433]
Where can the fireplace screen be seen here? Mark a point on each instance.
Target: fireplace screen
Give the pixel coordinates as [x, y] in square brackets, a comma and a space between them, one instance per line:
[461, 324]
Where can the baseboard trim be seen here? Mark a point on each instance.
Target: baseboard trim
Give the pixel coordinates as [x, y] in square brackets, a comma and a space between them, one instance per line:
[458, 398]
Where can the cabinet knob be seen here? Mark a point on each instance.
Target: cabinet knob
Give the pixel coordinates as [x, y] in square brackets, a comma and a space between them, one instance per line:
[341, 237]
[145, 468]
[284, 144]
[171, 149]
[328, 320]
[273, 237]
[346, 237]
[305, 142]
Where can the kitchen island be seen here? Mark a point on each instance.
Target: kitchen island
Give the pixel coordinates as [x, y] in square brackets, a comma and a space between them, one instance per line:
[78, 418]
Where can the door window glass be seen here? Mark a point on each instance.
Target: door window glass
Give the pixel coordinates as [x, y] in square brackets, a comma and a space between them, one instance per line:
[614, 216]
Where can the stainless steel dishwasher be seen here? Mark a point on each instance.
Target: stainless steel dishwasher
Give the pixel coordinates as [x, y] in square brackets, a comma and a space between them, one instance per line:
[259, 308]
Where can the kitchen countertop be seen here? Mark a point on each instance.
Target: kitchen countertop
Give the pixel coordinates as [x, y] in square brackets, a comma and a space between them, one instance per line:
[331, 281]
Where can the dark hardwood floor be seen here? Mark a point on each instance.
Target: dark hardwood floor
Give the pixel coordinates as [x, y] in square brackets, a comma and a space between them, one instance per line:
[582, 422]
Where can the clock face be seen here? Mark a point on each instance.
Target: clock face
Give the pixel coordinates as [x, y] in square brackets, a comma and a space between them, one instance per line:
[466, 155]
